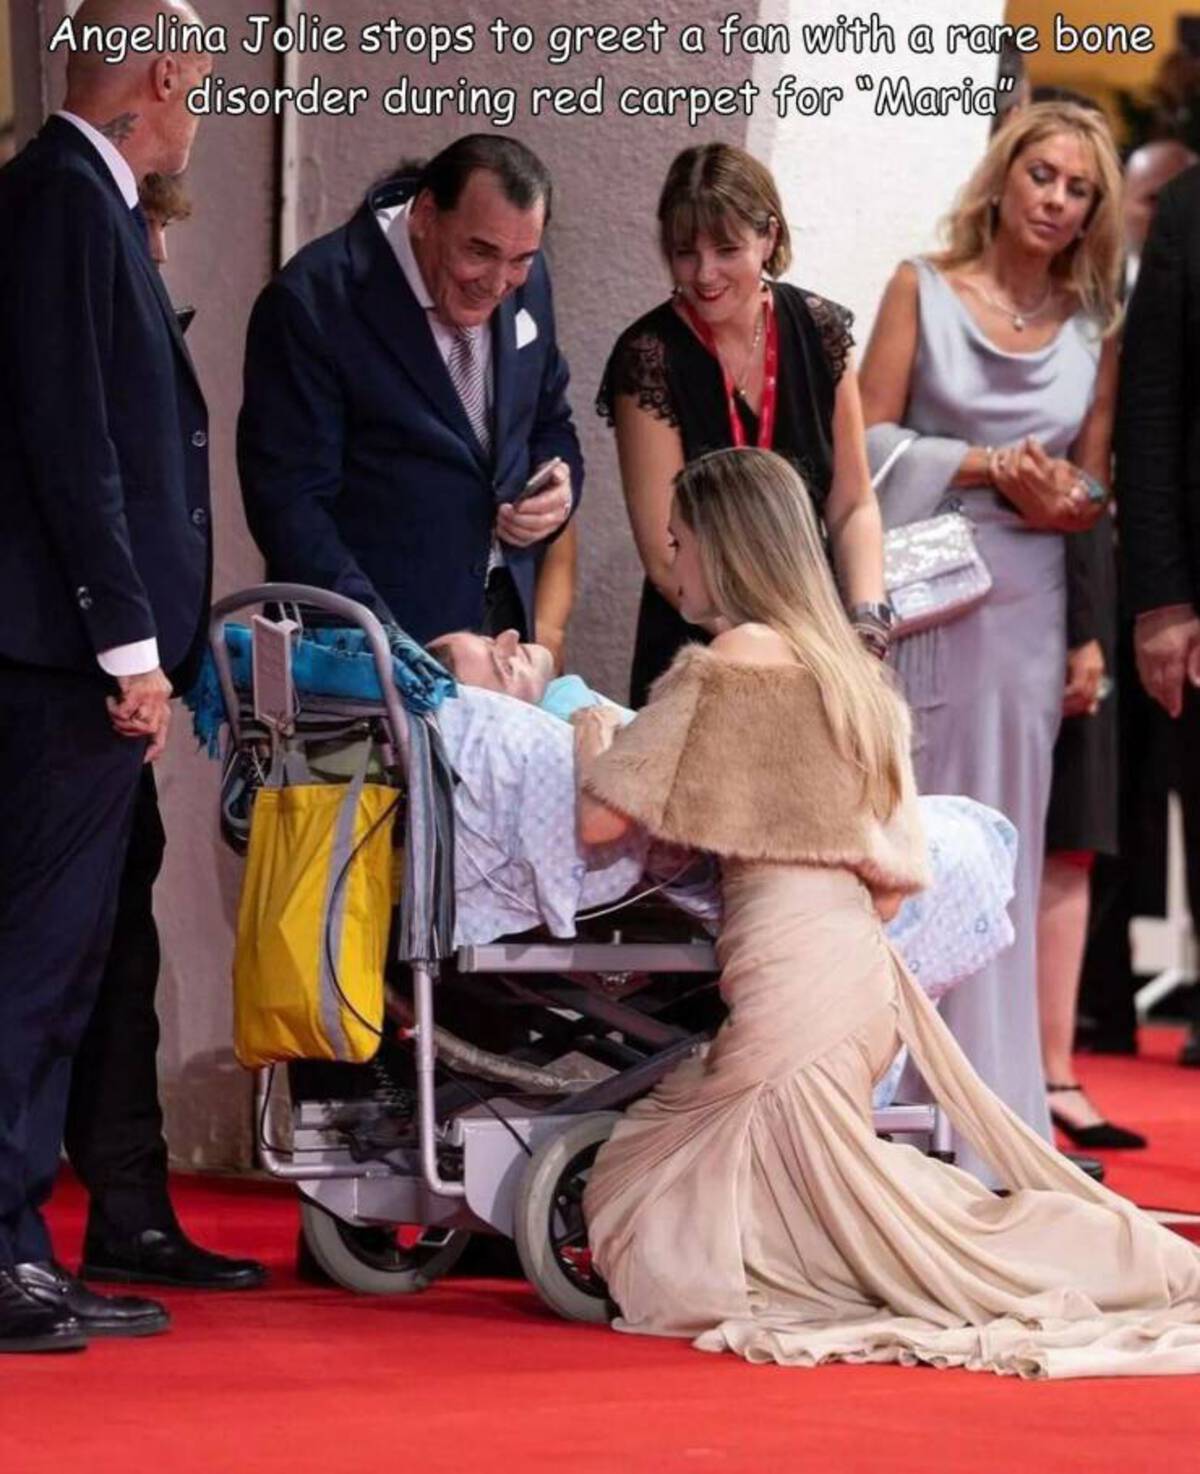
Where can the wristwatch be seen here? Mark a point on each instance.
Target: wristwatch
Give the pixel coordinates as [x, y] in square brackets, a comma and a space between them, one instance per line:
[873, 623]
[870, 613]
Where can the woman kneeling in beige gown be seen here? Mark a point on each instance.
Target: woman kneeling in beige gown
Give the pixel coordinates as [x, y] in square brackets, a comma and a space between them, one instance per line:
[747, 1202]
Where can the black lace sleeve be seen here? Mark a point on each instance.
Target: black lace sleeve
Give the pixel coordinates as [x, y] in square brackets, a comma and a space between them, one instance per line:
[637, 367]
[833, 323]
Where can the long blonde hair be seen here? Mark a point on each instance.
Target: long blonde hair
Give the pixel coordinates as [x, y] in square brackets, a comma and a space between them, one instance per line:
[1089, 267]
[764, 561]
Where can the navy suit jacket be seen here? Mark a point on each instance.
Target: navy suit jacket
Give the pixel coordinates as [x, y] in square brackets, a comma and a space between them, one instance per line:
[359, 468]
[104, 503]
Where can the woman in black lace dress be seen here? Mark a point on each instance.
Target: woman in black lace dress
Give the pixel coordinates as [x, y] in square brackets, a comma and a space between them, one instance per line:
[737, 358]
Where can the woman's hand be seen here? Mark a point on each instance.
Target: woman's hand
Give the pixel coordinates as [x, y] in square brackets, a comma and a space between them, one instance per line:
[595, 727]
[887, 904]
[1085, 673]
[1049, 492]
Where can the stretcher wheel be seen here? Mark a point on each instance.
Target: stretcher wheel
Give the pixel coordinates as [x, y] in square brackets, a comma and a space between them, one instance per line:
[380, 1261]
[548, 1224]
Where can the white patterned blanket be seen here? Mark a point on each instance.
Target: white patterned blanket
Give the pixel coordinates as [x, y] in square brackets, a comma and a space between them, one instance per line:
[519, 864]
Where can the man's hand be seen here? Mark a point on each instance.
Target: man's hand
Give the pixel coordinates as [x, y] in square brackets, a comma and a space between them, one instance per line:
[1085, 671]
[1167, 644]
[143, 709]
[536, 518]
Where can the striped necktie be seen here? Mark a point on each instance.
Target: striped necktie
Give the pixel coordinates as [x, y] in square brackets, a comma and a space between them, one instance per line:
[466, 374]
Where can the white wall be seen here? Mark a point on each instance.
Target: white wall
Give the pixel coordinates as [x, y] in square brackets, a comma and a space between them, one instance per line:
[861, 192]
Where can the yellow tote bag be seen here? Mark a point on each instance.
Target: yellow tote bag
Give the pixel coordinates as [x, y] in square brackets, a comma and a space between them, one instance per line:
[313, 923]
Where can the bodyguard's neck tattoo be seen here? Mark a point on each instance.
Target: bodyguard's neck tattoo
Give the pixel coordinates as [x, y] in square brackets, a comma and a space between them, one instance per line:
[118, 129]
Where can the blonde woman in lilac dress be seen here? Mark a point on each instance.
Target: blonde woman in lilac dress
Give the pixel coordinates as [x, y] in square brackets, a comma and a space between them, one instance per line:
[999, 355]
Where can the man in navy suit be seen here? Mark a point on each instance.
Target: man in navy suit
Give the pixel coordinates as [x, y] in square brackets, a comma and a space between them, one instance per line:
[402, 383]
[105, 557]
[114, 1126]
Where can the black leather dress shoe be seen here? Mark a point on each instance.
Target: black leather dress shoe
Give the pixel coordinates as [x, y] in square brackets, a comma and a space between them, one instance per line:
[96, 1315]
[159, 1256]
[27, 1324]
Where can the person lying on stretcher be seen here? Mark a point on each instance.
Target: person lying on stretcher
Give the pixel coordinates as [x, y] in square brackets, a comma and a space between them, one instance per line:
[516, 668]
[519, 864]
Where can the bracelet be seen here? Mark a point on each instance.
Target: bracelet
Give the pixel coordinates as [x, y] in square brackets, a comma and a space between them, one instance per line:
[874, 632]
[1095, 491]
[873, 642]
[989, 465]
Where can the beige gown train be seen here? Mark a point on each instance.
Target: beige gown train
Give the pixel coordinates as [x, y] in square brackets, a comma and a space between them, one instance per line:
[747, 1203]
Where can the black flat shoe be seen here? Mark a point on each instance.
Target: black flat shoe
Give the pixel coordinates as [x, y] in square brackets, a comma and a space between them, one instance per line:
[1103, 1136]
[167, 1257]
[26, 1324]
[96, 1315]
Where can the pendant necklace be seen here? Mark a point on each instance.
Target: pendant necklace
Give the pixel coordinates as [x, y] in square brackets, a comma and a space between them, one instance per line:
[739, 387]
[1019, 318]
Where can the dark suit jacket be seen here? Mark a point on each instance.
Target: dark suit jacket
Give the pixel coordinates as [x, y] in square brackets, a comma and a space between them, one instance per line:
[104, 507]
[1158, 420]
[359, 468]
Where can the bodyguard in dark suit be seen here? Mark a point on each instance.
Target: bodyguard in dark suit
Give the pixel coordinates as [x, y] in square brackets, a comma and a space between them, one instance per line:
[402, 382]
[104, 560]
[1158, 471]
[114, 1126]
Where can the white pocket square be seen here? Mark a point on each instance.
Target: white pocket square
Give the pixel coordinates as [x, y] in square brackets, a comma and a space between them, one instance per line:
[526, 329]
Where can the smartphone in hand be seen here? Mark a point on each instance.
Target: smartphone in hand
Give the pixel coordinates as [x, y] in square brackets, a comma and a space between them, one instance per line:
[539, 481]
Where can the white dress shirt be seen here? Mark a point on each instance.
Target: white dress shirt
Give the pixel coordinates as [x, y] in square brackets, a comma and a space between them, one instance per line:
[395, 223]
[142, 656]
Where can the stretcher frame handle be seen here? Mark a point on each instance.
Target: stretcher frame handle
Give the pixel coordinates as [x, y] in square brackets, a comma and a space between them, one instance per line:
[328, 603]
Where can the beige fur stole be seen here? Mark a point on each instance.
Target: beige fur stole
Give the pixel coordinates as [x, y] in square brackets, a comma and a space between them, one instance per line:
[739, 759]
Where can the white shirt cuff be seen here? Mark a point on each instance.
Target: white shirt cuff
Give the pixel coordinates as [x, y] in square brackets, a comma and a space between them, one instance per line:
[138, 659]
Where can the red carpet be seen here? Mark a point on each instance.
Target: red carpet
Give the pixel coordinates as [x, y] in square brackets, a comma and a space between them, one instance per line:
[475, 1375]
[1151, 1094]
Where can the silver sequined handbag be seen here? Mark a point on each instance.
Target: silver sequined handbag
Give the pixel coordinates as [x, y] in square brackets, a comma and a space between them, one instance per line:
[933, 570]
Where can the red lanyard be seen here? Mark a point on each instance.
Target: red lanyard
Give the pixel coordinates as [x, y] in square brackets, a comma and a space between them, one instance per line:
[766, 415]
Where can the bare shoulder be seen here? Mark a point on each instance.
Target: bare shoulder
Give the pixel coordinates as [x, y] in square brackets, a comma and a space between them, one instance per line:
[887, 364]
[904, 286]
[753, 644]
[906, 279]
